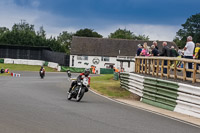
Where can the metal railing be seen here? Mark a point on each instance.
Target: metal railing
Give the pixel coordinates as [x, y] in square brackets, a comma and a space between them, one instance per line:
[155, 66]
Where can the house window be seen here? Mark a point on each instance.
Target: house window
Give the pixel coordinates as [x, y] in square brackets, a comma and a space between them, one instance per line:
[82, 57]
[72, 60]
[105, 58]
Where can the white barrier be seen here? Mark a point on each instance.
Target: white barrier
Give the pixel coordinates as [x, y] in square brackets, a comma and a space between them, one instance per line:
[31, 62]
[173, 96]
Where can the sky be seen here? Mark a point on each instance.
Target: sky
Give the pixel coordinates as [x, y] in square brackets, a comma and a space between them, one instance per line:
[158, 19]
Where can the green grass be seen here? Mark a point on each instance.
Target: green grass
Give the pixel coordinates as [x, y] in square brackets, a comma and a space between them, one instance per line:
[4, 74]
[19, 67]
[105, 85]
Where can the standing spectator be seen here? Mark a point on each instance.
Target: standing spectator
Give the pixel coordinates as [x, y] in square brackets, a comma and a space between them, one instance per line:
[144, 51]
[180, 52]
[173, 52]
[189, 49]
[154, 51]
[155, 44]
[197, 53]
[197, 50]
[139, 50]
[165, 52]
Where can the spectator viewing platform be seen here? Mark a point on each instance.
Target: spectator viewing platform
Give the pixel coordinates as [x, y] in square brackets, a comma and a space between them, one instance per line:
[176, 67]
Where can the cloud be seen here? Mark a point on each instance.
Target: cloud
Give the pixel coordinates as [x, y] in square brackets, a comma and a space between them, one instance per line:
[35, 3]
[54, 24]
[155, 32]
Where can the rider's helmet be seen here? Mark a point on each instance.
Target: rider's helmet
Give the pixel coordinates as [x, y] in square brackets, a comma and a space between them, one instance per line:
[87, 71]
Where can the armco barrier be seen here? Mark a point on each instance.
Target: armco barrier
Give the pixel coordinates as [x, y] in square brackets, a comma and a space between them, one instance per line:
[169, 95]
[31, 62]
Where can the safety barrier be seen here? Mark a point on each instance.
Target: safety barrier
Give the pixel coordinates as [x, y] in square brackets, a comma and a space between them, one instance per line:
[169, 95]
[32, 62]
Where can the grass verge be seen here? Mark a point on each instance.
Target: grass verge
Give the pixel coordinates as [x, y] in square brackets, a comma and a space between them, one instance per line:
[105, 85]
[19, 67]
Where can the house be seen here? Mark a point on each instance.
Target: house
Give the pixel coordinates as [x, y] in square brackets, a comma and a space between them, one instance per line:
[106, 53]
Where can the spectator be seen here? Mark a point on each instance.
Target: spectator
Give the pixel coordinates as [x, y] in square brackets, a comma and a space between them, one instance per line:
[173, 52]
[197, 50]
[180, 51]
[154, 51]
[144, 51]
[165, 52]
[2, 70]
[139, 50]
[189, 49]
[155, 44]
[197, 53]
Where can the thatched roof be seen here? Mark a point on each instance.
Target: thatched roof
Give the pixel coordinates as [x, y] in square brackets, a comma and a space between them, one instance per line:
[108, 47]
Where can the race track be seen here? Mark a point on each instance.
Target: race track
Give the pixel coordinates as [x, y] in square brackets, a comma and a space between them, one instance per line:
[32, 105]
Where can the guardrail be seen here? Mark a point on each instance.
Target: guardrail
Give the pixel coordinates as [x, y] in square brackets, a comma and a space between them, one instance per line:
[169, 95]
[155, 66]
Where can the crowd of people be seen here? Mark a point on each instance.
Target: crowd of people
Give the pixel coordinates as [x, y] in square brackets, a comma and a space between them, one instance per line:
[189, 52]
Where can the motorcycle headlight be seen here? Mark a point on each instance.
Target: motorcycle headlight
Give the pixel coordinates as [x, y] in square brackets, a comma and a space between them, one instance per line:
[79, 83]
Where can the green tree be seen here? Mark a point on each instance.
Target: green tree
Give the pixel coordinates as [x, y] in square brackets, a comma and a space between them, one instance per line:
[65, 39]
[190, 28]
[87, 33]
[3, 30]
[127, 34]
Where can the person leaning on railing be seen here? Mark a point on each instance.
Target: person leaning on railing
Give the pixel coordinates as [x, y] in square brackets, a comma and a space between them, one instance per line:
[197, 53]
[189, 49]
[165, 52]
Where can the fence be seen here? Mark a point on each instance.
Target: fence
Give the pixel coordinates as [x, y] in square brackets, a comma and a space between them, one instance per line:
[169, 95]
[156, 65]
[34, 53]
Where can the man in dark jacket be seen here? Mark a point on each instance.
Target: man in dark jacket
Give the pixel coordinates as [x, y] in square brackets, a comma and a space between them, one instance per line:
[155, 44]
[139, 50]
[166, 53]
[173, 52]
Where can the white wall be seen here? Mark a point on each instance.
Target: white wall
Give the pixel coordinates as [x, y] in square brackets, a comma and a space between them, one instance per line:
[126, 68]
[83, 63]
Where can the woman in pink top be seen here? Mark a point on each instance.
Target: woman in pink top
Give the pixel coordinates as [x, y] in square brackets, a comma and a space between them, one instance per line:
[144, 51]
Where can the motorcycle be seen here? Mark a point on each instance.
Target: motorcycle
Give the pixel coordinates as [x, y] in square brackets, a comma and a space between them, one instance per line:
[69, 73]
[78, 91]
[42, 73]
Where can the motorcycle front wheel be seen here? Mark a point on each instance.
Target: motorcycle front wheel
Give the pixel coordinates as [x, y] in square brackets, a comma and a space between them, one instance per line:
[80, 95]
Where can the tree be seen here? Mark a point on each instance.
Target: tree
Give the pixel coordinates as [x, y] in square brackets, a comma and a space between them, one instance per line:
[87, 33]
[190, 28]
[65, 39]
[41, 32]
[127, 34]
[3, 30]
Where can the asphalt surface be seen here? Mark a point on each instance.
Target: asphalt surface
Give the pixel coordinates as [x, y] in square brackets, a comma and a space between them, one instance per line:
[32, 105]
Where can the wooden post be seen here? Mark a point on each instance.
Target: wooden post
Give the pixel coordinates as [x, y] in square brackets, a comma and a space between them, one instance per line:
[157, 68]
[162, 66]
[149, 66]
[142, 65]
[184, 71]
[139, 65]
[153, 69]
[136, 65]
[175, 70]
[194, 73]
[168, 68]
[145, 66]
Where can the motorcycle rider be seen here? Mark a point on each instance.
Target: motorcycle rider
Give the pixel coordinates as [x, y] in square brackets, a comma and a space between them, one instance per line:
[86, 73]
[43, 70]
